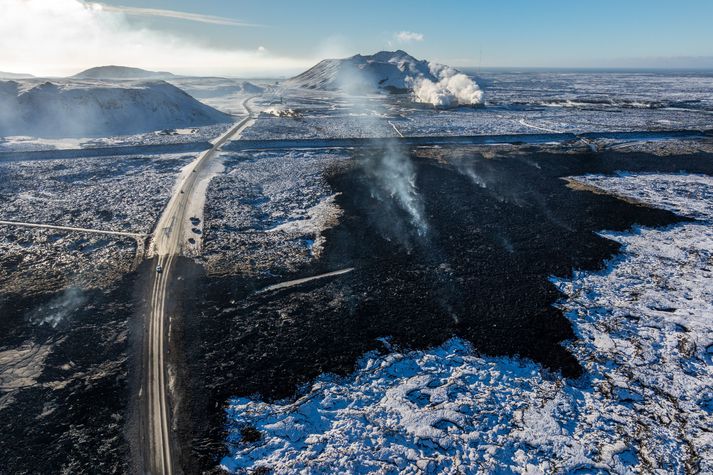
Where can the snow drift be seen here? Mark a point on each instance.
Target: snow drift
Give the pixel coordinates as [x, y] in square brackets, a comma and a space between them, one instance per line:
[92, 108]
[395, 72]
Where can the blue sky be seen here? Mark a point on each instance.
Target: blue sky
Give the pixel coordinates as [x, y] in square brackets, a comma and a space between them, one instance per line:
[508, 32]
[274, 37]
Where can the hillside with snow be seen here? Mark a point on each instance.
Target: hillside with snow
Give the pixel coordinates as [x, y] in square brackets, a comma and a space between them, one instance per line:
[394, 72]
[121, 72]
[69, 108]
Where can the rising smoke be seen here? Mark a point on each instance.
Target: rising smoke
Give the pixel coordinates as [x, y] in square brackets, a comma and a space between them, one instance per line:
[452, 88]
[392, 176]
[59, 309]
[394, 180]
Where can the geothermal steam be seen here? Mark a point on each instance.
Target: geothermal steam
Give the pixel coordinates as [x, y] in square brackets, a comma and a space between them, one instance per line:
[396, 175]
[393, 176]
[452, 89]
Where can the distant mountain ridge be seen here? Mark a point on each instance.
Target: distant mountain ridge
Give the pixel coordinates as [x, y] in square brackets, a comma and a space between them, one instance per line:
[9, 75]
[69, 108]
[206, 88]
[121, 72]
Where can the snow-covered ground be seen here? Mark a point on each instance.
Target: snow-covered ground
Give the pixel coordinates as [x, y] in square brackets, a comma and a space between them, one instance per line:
[644, 405]
[25, 143]
[34, 261]
[270, 209]
[515, 103]
[123, 193]
[327, 115]
[598, 89]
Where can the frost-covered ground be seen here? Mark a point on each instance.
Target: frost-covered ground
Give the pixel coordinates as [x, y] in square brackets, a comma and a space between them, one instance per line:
[40, 260]
[515, 103]
[159, 137]
[269, 209]
[124, 193]
[644, 405]
[305, 113]
[599, 89]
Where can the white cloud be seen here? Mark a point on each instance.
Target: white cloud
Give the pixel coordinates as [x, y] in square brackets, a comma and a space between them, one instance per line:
[215, 20]
[61, 37]
[408, 36]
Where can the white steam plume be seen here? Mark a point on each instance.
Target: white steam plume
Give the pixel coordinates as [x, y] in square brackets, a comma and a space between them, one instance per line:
[452, 89]
[59, 309]
[393, 176]
[395, 173]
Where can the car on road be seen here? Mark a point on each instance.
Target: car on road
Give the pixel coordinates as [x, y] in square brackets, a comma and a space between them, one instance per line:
[159, 269]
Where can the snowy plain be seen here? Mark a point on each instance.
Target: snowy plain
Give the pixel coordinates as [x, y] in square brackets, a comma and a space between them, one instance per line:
[524, 102]
[644, 404]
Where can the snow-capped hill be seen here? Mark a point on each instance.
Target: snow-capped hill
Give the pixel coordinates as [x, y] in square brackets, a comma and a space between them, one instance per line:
[386, 70]
[121, 72]
[89, 108]
[394, 72]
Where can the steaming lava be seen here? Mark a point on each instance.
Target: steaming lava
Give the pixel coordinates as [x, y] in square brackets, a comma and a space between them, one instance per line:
[498, 229]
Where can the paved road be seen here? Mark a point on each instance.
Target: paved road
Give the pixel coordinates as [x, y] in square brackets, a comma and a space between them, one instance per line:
[156, 437]
[445, 140]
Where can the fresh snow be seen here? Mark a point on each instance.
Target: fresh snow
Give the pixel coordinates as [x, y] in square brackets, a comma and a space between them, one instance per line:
[644, 404]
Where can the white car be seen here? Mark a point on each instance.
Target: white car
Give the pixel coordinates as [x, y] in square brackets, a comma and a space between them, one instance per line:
[159, 269]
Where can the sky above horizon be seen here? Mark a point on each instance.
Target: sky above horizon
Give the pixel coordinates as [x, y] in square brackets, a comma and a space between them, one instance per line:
[281, 37]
